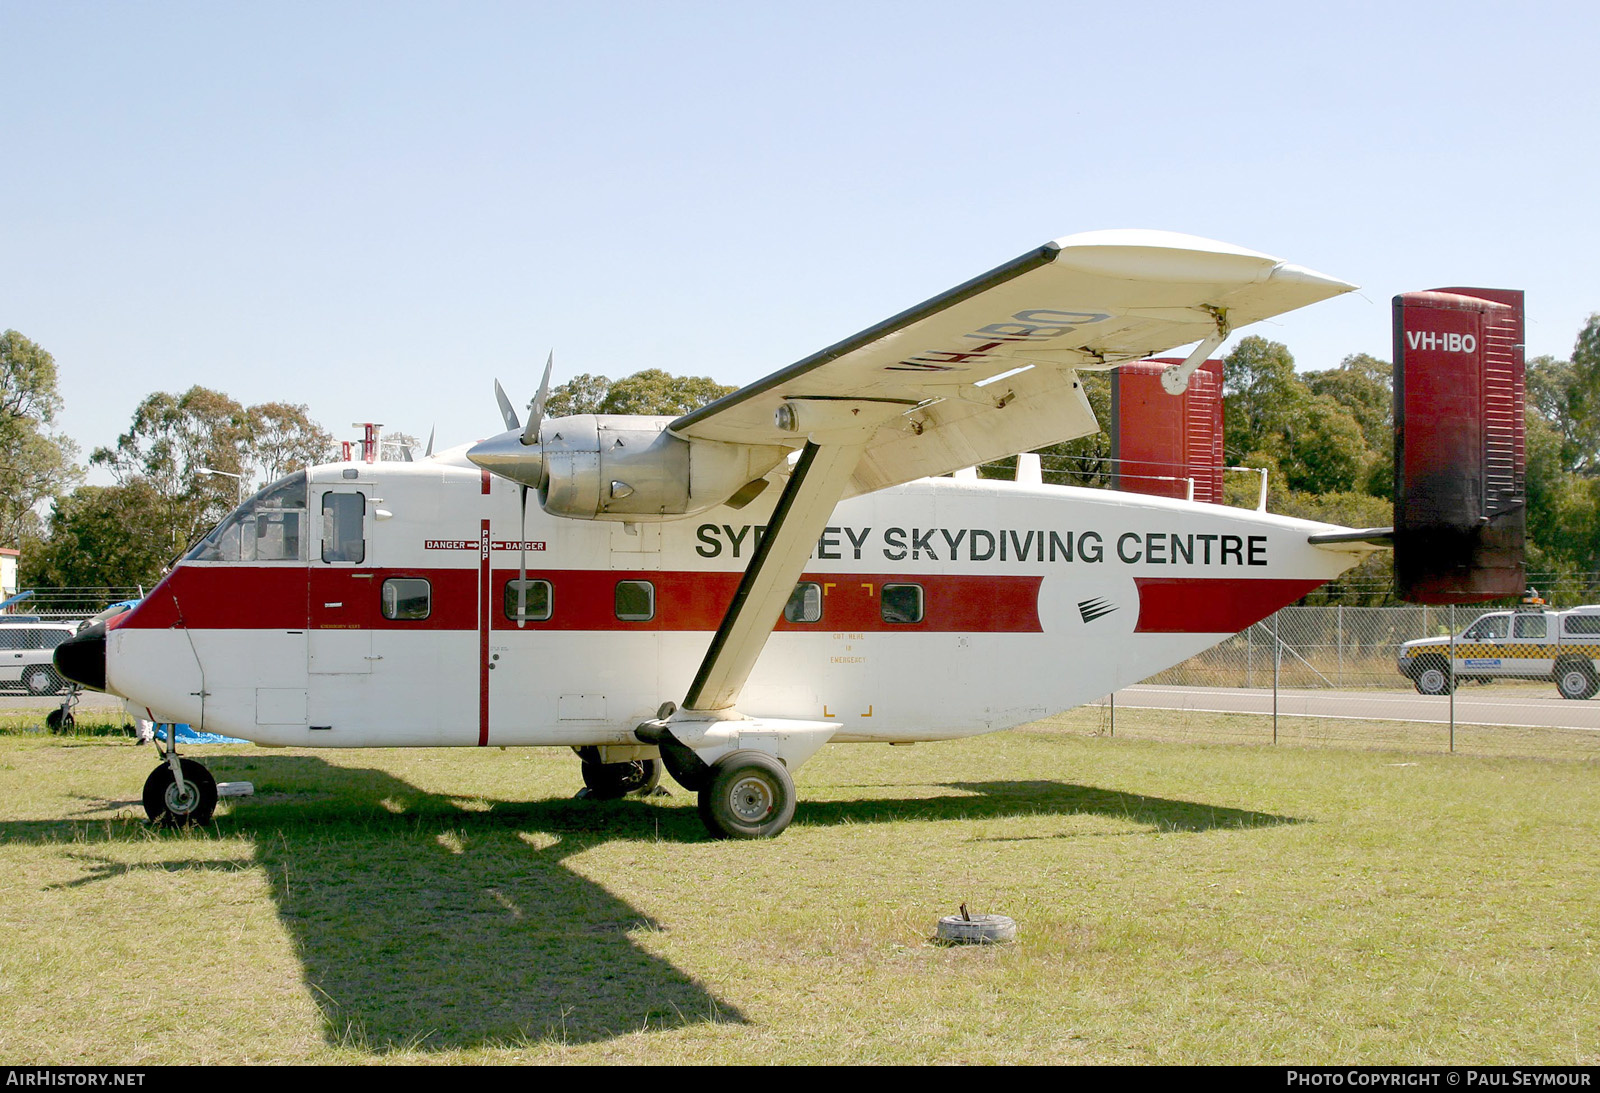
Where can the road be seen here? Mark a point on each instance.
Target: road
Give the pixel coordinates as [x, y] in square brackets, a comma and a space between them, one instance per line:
[1513, 705]
[1523, 707]
[89, 700]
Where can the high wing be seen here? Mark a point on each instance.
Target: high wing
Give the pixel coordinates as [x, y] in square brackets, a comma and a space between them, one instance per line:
[945, 372]
[982, 371]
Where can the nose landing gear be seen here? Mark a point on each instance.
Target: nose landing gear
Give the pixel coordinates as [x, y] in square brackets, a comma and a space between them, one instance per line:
[179, 792]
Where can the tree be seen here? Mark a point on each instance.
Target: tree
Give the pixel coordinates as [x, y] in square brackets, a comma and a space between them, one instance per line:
[1583, 398]
[653, 391]
[582, 394]
[1261, 395]
[172, 439]
[282, 439]
[1271, 416]
[175, 440]
[35, 461]
[101, 536]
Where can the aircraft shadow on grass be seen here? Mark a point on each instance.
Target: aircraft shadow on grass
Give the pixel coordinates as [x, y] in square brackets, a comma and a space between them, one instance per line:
[422, 923]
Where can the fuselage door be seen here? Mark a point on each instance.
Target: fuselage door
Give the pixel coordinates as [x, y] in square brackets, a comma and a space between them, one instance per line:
[344, 601]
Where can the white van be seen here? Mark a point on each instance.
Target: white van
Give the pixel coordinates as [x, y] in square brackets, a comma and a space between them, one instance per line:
[26, 652]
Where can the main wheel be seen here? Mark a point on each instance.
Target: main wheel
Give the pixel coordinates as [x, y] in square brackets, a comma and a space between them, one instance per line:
[609, 781]
[41, 680]
[1576, 679]
[751, 796]
[166, 806]
[1434, 679]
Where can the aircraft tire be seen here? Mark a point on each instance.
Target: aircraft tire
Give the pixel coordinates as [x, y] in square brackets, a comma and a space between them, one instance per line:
[612, 781]
[750, 796]
[59, 720]
[1576, 680]
[1434, 679]
[166, 808]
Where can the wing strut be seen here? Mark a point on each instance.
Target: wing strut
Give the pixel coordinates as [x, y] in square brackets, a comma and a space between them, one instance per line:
[814, 488]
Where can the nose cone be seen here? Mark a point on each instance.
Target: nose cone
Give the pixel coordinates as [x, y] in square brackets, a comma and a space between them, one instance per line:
[507, 456]
[82, 657]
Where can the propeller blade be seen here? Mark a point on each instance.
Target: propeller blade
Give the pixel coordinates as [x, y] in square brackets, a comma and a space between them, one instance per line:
[522, 565]
[536, 415]
[429, 452]
[510, 415]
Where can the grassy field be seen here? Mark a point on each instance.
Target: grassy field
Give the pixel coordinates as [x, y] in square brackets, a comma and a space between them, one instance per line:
[1176, 902]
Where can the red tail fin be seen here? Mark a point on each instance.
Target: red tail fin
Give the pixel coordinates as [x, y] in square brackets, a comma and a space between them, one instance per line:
[1460, 452]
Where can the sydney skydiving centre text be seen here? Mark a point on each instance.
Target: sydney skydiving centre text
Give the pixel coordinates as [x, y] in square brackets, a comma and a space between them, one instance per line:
[896, 544]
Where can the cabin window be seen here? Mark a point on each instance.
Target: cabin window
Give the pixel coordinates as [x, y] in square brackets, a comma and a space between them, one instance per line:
[270, 527]
[901, 603]
[805, 603]
[636, 601]
[1529, 626]
[536, 600]
[343, 533]
[407, 598]
[1581, 624]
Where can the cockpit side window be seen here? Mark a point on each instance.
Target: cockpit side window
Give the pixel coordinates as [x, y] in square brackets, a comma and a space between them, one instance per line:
[343, 533]
[270, 527]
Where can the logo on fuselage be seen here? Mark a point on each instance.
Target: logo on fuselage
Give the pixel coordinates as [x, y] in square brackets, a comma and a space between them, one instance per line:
[1094, 609]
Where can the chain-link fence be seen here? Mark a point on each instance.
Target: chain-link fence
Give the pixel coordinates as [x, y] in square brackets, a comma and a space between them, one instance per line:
[69, 603]
[1331, 676]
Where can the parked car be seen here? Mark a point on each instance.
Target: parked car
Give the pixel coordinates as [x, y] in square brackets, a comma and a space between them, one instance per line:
[1530, 642]
[26, 652]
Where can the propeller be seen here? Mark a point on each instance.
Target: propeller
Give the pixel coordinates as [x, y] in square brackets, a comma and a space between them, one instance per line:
[529, 437]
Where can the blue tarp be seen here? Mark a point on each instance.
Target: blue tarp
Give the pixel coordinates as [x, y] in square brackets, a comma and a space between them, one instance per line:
[186, 735]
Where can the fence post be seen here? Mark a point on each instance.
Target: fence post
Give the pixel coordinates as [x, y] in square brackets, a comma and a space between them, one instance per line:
[1452, 679]
[1338, 632]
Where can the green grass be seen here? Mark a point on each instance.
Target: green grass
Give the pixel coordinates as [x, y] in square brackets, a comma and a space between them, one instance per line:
[1176, 903]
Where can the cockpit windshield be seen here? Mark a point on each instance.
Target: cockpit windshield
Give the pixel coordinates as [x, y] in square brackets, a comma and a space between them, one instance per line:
[270, 527]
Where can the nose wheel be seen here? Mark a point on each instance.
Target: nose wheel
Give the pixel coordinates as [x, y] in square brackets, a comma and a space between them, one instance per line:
[169, 802]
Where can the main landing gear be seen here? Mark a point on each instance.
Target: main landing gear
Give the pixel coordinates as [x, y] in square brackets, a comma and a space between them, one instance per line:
[750, 796]
[179, 792]
[746, 794]
[612, 781]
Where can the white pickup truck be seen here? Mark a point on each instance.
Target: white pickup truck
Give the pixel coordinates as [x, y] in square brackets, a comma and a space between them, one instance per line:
[1527, 643]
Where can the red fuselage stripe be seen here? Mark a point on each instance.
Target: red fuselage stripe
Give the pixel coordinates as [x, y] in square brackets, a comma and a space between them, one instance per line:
[275, 598]
[1211, 605]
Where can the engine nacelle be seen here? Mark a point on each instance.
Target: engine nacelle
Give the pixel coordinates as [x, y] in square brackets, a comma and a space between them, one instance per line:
[627, 467]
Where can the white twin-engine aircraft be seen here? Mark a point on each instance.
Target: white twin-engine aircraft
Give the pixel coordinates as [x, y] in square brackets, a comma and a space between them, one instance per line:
[725, 592]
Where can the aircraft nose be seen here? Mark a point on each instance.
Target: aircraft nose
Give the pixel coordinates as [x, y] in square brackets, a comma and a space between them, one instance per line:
[82, 657]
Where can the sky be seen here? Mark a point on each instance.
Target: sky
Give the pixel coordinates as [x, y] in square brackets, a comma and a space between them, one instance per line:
[379, 209]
